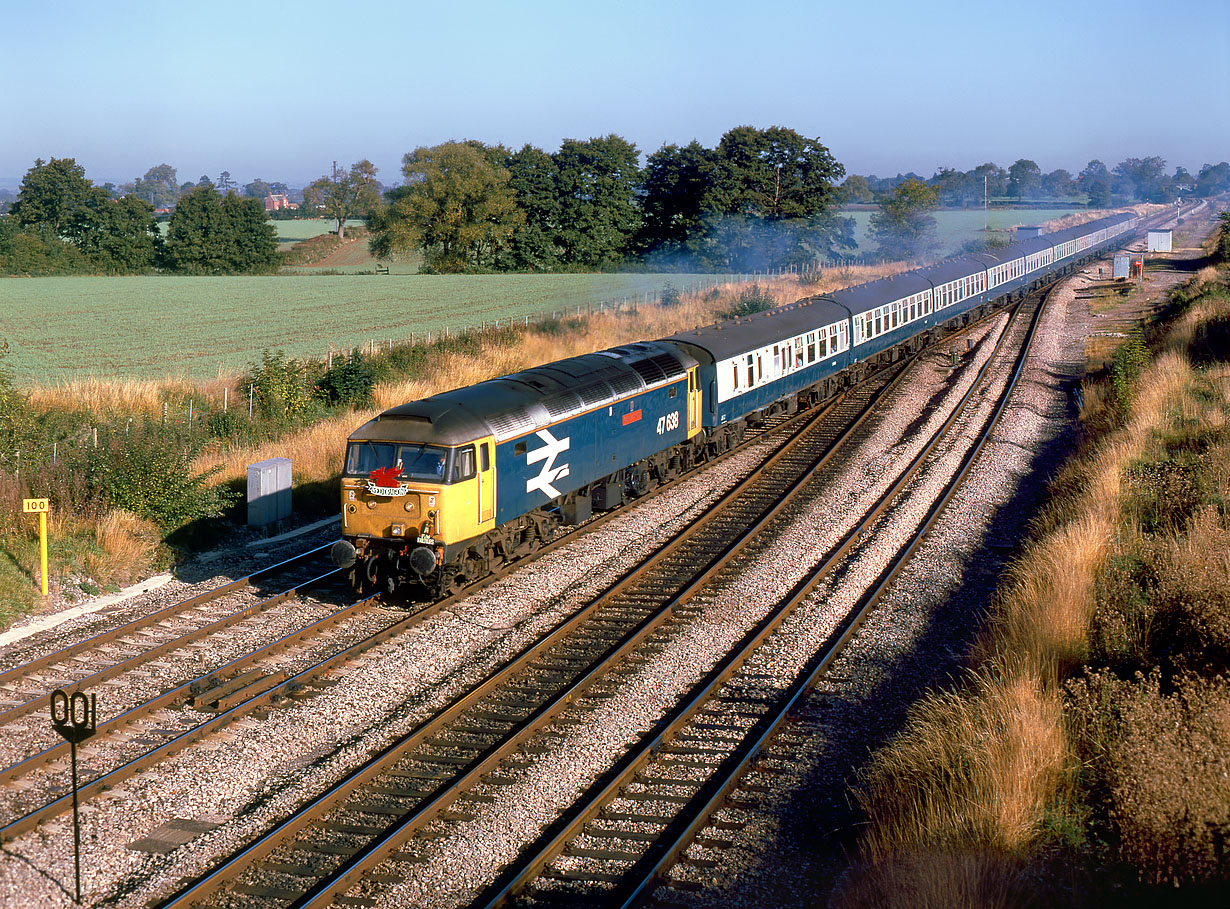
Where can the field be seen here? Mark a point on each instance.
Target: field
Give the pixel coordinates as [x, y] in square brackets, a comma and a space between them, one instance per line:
[292, 231]
[954, 228]
[153, 327]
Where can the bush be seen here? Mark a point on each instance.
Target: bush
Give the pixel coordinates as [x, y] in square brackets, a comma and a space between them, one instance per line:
[1130, 358]
[349, 382]
[229, 424]
[671, 295]
[1161, 761]
[146, 476]
[751, 300]
[280, 386]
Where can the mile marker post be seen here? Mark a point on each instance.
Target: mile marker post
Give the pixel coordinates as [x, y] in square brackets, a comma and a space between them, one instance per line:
[40, 507]
[76, 719]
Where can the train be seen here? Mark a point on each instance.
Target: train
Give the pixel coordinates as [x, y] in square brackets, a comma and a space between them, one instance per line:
[440, 492]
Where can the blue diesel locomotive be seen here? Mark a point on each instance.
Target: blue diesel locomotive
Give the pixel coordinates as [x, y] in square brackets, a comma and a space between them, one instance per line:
[439, 492]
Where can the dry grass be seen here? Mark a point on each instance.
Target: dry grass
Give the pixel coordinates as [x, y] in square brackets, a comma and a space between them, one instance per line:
[1084, 217]
[126, 397]
[971, 770]
[934, 879]
[127, 545]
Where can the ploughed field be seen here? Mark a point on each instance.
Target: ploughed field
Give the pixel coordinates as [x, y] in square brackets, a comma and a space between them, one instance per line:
[147, 327]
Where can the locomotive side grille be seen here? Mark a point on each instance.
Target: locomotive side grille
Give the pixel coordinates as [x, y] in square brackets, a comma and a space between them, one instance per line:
[595, 393]
[648, 370]
[561, 405]
[511, 423]
[624, 384]
[669, 365]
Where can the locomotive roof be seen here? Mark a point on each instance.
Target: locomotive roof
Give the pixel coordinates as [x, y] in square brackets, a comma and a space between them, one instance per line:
[531, 399]
[735, 336]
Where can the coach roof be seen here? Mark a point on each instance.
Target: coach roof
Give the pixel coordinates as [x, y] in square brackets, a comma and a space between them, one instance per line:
[752, 332]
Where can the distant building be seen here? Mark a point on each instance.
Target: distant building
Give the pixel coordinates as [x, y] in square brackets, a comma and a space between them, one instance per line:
[278, 201]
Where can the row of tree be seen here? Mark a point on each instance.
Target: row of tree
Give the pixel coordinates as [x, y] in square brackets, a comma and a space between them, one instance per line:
[1131, 180]
[759, 198]
[61, 223]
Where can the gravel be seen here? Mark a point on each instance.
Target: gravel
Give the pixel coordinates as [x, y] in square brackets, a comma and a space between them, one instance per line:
[789, 849]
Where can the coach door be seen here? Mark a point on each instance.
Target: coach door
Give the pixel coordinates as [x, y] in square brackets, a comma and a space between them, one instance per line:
[486, 484]
[693, 402]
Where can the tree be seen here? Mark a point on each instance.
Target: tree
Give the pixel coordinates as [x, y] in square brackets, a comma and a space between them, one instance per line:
[903, 227]
[212, 235]
[159, 187]
[991, 176]
[1095, 182]
[456, 206]
[857, 190]
[1058, 184]
[677, 184]
[1144, 179]
[1213, 179]
[1024, 178]
[774, 200]
[953, 187]
[52, 193]
[599, 180]
[118, 235]
[345, 194]
[534, 181]
[58, 205]
[257, 189]
[225, 183]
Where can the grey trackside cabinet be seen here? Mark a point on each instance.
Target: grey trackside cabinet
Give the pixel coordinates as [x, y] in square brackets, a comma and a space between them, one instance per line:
[268, 492]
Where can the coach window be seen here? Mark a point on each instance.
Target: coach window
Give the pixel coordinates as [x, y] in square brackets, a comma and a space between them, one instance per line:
[734, 376]
[463, 466]
[751, 376]
[811, 348]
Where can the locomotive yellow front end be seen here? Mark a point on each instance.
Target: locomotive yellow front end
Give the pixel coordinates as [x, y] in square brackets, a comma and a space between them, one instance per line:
[411, 498]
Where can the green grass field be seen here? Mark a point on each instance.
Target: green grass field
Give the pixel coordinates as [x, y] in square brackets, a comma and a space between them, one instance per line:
[954, 228]
[154, 327]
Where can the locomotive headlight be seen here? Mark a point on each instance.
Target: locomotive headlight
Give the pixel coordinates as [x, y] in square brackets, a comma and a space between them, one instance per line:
[409, 506]
[371, 503]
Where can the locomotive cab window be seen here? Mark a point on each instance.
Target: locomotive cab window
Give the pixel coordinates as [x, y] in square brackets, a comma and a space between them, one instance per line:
[463, 465]
[484, 458]
[414, 460]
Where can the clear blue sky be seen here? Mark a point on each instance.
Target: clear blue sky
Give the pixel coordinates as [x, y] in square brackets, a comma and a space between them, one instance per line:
[279, 90]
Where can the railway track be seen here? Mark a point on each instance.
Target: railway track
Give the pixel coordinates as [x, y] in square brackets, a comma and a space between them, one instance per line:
[619, 842]
[433, 771]
[185, 707]
[234, 690]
